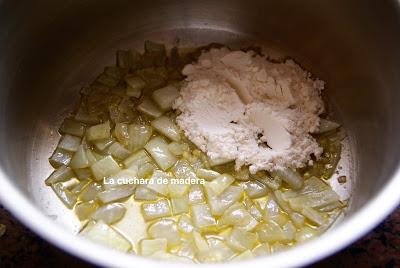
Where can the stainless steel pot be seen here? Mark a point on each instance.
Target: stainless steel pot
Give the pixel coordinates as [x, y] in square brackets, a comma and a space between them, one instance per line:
[49, 49]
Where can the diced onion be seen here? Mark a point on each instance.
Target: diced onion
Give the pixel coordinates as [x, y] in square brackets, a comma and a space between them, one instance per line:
[98, 132]
[135, 86]
[79, 159]
[201, 215]
[72, 127]
[105, 235]
[103, 144]
[165, 97]
[60, 158]
[137, 159]
[313, 215]
[292, 178]
[150, 246]
[241, 240]
[118, 150]
[90, 192]
[220, 183]
[109, 213]
[178, 148]
[69, 143]
[167, 127]
[245, 255]
[180, 204]
[105, 168]
[165, 228]
[261, 250]
[144, 193]
[157, 209]
[219, 204]
[255, 189]
[85, 209]
[121, 133]
[114, 194]
[68, 198]
[139, 135]
[158, 182]
[63, 173]
[185, 224]
[206, 174]
[196, 194]
[158, 149]
[271, 232]
[148, 107]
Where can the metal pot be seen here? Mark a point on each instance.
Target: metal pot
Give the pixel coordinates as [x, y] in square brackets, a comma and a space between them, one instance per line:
[49, 49]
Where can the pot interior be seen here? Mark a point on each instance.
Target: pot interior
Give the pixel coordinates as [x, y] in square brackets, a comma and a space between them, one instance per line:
[50, 50]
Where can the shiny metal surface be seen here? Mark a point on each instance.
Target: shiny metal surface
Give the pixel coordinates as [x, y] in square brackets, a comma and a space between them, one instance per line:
[49, 49]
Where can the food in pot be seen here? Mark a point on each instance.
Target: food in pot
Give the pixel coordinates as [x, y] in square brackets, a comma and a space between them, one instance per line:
[210, 155]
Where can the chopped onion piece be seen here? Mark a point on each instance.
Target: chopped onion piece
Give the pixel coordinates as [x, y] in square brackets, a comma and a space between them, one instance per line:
[167, 127]
[220, 183]
[98, 132]
[85, 209]
[69, 199]
[177, 148]
[185, 224]
[109, 213]
[83, 174]
[206, 174]
[121, 133]
[103, 144]
[137, 159]
[271, 232]
[165, 97]
[144, 193]
[297, 219]
[201, 215]
[105, 168]
[219, 204]
[79, 159]
[183, 171]
[165, 228]
[150, 246]
[117, 193]
[103, 234]
[139, 135]
[158, 180]
[292, 178]
[146, 170]
[63, 173]
[200, 242]
[219, 161]
[236, 215]
[314, 200]
[218, 251]
[158, 149]
[123, 177]
[313, 215]
[148, 107]
[241, 240]
[60, 158]
[69, 143]
[196, 194]
[157, 209]
[180, 204]
[118, 151]
[91, 156]
[255, 189]
[326, 125]
[305, 234]
[261, 250]
[90, 192]
[289, 230]
[72, 127]
[135, 86]
[245, 255]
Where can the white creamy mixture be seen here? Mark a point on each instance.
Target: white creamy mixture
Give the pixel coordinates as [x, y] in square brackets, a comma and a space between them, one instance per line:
[240, 106]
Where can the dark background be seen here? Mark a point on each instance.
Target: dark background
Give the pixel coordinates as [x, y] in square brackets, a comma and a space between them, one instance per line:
[19, 247]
